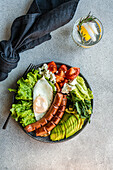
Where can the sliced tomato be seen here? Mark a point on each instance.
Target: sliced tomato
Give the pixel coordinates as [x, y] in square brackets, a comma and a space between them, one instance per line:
[52, 67]
[63, 82]
[72, 73]
[61, 73]
[63, 68]
[59, 78]
[58, 87]
[52, 63]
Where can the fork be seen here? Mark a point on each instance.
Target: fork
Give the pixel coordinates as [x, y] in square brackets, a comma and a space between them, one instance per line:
[29, 68]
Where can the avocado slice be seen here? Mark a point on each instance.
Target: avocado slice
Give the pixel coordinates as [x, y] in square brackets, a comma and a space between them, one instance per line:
[80, 121]
[68, 126]
[64, 118]
[71, 126]
[58, 132]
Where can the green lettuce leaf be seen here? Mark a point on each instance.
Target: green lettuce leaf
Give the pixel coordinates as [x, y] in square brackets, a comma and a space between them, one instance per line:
[81, 90]
[33, 77]
[25, 86]
[24, 92]
[22, 112]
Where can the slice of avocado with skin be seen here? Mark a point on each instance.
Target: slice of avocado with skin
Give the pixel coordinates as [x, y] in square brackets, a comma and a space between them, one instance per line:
[64, 118]
[70, 126]
[80, 121]
[58, 133]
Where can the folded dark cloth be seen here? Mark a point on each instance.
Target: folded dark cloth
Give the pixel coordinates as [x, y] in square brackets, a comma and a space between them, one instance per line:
[34, 28]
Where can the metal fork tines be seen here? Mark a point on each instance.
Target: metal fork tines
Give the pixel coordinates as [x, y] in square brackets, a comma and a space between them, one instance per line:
[29, 68]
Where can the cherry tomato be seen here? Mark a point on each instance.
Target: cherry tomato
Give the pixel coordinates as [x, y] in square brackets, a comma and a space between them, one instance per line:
[59, 78]
[61, 73]
[72, 73]
[52, 67]
[63, 82]
[63, 68]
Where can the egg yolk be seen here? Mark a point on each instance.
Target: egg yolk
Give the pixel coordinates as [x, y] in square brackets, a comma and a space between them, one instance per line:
[40, 105]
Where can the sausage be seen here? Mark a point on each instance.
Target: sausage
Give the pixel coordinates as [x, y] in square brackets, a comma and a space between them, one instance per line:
[55, 120]
[41, 131]
[50, 126]
[60, 114]
[65, 97]
[48, 116]
[62, 108]
[54, 107]
[52, 111]
[58, 100]
[33, 126]
[45, 129]
[64, 102]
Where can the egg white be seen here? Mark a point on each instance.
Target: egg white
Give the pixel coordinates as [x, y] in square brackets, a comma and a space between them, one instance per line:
[42, 88]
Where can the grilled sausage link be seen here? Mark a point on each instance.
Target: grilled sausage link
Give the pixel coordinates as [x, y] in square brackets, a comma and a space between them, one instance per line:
[48, 116]
[54, 121]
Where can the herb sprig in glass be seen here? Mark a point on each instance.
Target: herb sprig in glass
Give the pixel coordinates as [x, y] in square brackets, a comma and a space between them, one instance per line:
[89, 18]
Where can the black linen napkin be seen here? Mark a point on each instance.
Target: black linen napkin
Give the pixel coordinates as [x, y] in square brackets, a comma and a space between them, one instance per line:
[34, 28]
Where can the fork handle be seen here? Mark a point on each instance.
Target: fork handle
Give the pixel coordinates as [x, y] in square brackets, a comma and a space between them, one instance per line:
[6, 122]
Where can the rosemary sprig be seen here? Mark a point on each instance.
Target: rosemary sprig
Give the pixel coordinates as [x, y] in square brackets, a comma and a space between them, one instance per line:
[89, 18]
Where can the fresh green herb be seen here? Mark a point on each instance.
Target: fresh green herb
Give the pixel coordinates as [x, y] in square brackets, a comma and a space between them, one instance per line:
[83, 108]
[12, 90]
[89, 18]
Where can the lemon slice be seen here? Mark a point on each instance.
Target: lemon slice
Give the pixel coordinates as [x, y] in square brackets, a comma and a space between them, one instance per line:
[85, 33]
[90, 31]
[93, 27]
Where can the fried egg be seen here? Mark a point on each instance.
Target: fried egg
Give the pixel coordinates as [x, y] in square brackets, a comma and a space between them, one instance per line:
[42, 98]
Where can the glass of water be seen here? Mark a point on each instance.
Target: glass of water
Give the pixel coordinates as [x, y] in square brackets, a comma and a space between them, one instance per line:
[87, 31]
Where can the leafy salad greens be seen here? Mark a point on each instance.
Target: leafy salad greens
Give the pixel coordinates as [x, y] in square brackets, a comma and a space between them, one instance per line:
[80, 99]
[81, 90]
[22, 111]
[78, 109]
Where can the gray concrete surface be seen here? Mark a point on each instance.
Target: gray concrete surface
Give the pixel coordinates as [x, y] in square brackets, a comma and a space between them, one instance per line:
[92, 149]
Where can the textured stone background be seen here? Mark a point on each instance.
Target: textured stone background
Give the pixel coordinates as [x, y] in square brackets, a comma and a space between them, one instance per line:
[92, 149]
